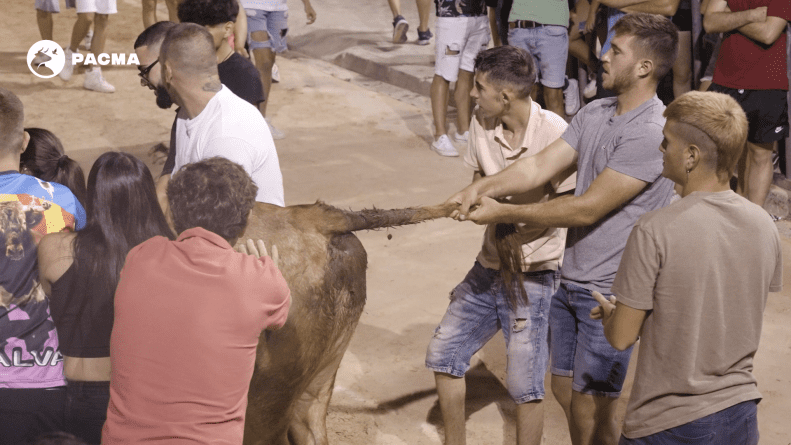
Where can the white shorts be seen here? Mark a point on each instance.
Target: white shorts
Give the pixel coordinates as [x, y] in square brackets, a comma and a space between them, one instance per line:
[97, 6]
[459, 39]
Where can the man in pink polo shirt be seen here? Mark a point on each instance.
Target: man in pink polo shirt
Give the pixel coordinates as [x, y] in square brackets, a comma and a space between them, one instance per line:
[188, 315]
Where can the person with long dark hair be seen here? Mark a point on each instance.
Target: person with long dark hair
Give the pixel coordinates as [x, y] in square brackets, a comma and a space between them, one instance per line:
[80, 271]
[46, 159]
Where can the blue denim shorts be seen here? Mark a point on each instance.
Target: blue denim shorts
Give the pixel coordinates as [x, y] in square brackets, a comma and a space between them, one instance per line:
[735, 425]
[549, 46]
[579, 348]
[275, 23]
[478, 309]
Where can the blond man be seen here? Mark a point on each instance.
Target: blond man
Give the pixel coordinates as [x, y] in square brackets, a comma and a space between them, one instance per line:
[700, 318]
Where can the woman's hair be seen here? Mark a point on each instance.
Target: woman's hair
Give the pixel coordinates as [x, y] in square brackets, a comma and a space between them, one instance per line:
[123, 211]
[45, 159]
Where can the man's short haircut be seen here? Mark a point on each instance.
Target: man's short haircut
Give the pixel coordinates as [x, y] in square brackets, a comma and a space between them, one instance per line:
[12, 121]
[718, 123]
[656, 37]
[208, 12]
[508, 66]
[154, 34]
[215, 194]
[189, 47]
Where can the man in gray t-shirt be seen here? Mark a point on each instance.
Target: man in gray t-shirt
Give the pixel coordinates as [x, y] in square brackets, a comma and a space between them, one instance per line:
[614, 144]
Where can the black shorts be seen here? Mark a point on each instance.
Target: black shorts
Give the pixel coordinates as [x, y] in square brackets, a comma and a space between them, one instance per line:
[28, 413]
[683, 19]
[766, 110]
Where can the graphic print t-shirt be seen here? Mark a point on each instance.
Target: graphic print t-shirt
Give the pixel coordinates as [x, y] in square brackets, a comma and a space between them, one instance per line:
[29, 209]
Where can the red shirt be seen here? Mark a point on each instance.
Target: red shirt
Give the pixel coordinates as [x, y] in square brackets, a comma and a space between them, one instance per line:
[188, 315]
[746, 64]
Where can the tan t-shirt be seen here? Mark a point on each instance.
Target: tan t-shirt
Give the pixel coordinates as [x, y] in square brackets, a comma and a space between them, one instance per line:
[703, 267]
[489, 153]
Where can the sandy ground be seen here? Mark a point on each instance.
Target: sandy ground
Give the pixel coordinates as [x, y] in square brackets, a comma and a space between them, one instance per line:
[353, 142]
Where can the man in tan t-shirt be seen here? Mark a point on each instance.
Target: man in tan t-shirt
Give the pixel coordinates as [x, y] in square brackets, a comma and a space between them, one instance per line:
[700, 316]
[506, 125]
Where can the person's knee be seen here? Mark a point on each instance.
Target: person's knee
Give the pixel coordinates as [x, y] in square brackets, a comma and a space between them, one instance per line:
[760, 152]
[85, 18]
[265, 57]
[100, 20]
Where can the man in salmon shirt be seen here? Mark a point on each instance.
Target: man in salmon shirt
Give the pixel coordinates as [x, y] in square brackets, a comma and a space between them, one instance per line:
[751, 68]
[188, 315]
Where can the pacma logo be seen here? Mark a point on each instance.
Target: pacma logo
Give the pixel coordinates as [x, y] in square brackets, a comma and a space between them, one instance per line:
[46, 59]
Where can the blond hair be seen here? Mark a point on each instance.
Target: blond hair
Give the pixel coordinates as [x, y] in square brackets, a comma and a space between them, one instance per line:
[721, 121]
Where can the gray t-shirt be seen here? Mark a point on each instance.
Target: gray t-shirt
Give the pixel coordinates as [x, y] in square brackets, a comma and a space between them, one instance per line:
[703, 267]
[628, 144]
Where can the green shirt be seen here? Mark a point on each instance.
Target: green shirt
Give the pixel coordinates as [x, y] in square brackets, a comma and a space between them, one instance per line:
[547, 12]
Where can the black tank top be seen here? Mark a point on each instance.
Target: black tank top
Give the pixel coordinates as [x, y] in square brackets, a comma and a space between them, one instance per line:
[84, 320]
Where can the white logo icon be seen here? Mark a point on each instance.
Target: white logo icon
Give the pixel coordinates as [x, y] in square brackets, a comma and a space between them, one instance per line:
[46, 59]
[778, 129]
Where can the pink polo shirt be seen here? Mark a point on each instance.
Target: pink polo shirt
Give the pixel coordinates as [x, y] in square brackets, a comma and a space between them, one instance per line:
[188, 315]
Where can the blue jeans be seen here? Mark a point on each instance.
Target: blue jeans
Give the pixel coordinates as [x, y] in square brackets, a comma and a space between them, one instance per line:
[549, 46]
[737, 425]
[275, 23]
[478, 309]
[579, 348]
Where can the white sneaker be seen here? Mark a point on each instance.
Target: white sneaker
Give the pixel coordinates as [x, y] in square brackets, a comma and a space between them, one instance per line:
[68, 67]
[95, 81]
[275, 74]
[444, 147]
[276, 134]
[571, 97]
[86, 42]
[461, 138]
[590, 89]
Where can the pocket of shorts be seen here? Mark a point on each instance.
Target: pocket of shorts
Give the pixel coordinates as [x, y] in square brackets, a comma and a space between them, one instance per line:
[555, 31]
[693, 439]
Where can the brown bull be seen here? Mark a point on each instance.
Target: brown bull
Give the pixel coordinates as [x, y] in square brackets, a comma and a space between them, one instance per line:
[324, 264]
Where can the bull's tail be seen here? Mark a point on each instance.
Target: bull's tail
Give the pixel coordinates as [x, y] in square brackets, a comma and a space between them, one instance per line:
[372, 219]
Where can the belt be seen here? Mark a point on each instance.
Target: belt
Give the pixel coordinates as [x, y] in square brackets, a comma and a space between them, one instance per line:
[524, 24]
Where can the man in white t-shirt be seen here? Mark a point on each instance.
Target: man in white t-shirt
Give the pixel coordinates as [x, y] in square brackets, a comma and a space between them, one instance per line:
[267, 26]
[212, 120]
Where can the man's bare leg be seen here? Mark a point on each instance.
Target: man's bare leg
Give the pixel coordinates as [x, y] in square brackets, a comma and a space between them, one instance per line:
[529, 423]
[553, 98]
[173, 10]
[80, 30]
[452, 390]
[423, 12]
[44, 19]
[264, 59]
[759, 171]
[461, 95]
[439, 104]
[561, 389]
[682, 68]
[99, 33]
[149, 13]
[395, 7]
[593, 419]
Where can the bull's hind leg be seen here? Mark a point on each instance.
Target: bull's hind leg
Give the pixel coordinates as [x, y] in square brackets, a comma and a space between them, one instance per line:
[308, 424]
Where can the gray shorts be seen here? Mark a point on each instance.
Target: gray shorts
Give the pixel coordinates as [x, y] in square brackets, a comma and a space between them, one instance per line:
[48, 5]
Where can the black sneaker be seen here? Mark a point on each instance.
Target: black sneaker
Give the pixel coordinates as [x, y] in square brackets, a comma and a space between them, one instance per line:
[423, 37]
[400, 27]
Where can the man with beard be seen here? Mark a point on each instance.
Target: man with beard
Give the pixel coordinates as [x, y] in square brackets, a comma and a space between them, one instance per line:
[614, 144]
[258, 154]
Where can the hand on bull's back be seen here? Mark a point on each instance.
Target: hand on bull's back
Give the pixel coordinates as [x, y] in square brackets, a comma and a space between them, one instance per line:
[257, 249]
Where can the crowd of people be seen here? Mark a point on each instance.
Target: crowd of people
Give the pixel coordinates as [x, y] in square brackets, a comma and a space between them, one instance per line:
[620, 224]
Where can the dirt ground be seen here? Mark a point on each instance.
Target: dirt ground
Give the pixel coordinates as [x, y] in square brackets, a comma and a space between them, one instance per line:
[354, 143]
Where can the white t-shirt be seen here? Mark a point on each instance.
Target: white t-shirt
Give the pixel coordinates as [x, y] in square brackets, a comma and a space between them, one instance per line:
[265, 5]
[232, 128]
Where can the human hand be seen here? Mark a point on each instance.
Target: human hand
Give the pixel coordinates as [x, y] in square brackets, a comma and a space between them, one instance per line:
[759, 14]
[258, 249]
[605, 308]
[463, 199]
[310, 13]
[487, 211]
[590, 25]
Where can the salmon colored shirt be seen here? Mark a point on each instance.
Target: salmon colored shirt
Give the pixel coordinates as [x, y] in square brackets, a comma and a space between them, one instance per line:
[188, 316]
